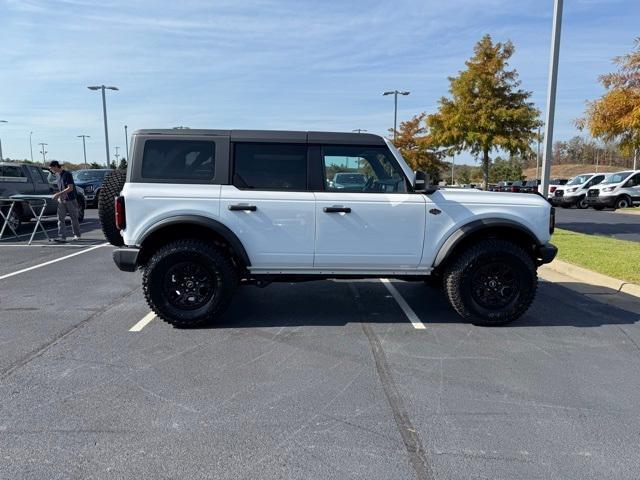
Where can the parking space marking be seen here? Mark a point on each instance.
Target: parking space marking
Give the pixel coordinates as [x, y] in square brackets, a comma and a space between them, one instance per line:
[46, 245]
[408, 311]
[55, 260]
[143, 323]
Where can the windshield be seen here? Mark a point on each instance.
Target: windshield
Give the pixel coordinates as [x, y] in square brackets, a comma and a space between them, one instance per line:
[88, 175]
[616, 177]
[350, 178]
[579, 179]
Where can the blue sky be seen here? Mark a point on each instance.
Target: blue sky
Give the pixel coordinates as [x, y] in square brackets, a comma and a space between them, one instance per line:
[275, 64]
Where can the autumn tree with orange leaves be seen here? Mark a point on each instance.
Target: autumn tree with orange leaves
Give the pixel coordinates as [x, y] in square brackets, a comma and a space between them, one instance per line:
[615, 116]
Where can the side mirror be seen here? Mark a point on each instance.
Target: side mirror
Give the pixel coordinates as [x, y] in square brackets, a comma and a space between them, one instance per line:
[422, 183]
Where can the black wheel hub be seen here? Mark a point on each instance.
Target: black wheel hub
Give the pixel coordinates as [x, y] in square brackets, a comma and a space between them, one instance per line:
[188, 285]
[494, 285]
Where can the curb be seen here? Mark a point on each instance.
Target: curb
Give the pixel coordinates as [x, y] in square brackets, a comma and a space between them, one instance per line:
[589, 277]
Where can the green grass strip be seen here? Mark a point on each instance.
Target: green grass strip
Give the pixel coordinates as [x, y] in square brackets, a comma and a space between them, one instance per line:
[609, 256]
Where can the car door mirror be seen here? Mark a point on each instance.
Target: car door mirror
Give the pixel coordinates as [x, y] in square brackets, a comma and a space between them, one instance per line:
[422, 183]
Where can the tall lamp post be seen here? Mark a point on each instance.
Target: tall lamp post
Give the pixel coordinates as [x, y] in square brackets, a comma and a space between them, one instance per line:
[104, 114]
[44, 153]
[1, 121]
[551, 95]
[84, 148]
[126, 142]
[395, 94]
[117, 155]
[31, 145]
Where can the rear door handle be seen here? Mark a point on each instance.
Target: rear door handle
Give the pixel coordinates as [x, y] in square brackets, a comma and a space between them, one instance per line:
[337, 209]
[246, 208]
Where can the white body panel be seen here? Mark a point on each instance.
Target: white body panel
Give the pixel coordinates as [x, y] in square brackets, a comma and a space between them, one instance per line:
[382, 230]
[150, 203]
[280, 233]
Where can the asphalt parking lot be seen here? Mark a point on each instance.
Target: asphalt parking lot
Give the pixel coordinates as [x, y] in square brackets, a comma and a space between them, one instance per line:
[605, 222]
[313, 380]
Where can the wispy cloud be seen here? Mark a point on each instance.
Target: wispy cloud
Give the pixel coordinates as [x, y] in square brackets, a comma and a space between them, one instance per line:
[273, 64]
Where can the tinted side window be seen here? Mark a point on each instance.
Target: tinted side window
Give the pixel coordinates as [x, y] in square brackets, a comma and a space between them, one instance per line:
[178, 159]
[36, 177]
[634, 181]
[275, 166]
[12, 171]
[361, 169]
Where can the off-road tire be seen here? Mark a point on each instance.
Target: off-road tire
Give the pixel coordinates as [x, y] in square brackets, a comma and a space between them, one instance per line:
[111, 188]
[459, 275]
[212, 259]
[581, 203]
[623, 202]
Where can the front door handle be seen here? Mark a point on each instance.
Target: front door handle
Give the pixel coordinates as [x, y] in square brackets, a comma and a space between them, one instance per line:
[246, 208]
[337, 209]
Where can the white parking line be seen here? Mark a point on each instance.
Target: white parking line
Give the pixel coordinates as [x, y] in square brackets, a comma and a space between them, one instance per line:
[408, 311]
[143, 323]
[55, 260]
[46, 245]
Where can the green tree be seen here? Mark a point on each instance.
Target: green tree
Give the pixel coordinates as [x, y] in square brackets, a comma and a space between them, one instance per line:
[123, 164]
[502, 169]
[615, 117]
[416, 147]
[94, 165]
[487, 109]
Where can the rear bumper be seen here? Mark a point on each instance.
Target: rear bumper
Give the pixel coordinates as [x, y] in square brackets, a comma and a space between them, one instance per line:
[126, 258]
[546, 253]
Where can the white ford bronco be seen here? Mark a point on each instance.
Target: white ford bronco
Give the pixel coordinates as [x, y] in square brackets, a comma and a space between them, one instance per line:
[202, 212]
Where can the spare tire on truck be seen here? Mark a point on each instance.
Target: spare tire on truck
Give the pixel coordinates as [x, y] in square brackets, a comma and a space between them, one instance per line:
[111, 188]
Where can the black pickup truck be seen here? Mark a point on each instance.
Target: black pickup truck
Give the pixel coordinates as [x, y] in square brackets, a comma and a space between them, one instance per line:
[16, 178]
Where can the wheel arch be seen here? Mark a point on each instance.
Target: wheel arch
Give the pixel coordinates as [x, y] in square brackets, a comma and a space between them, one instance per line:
[191, 226]
[486, 228]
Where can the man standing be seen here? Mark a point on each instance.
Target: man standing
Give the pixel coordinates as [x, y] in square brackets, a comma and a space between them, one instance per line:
[66, 197]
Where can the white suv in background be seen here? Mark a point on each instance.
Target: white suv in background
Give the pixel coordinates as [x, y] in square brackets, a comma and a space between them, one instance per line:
[575, 190]
[618, 190]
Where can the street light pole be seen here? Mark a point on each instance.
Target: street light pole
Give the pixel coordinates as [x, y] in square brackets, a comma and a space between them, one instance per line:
[359, 130]
[126, 142]
[44, 153]
[31, 145]
[538, 157]
[551, 96]
[117, 155]
[104, 114]
[84, 148]
[395, 94]
[1, 157]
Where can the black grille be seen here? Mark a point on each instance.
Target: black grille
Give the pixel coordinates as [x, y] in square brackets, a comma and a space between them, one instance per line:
[593, 192]
[559, 193]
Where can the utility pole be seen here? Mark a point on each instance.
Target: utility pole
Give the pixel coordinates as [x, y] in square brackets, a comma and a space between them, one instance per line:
[395, 94]
[551, 96]
[84, 148]
[44, 153]
[359, 130]
[126, 142]
[104, 114]
[31, 146]
[1, 157]
[635, 158]
[453, 162]
[117, 155]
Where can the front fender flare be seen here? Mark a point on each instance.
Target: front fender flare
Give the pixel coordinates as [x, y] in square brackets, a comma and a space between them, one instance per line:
[464, 231]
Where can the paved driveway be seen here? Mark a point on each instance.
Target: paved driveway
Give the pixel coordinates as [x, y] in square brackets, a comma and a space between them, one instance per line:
[319, 380]
[604, 222]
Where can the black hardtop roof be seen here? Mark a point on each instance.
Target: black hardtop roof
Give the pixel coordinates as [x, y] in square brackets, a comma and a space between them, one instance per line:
[273, 136]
